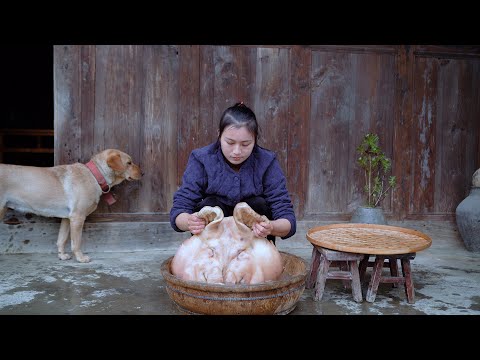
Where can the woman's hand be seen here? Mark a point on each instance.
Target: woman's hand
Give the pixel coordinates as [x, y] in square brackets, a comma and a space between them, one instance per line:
[195, 224]
[262, 229]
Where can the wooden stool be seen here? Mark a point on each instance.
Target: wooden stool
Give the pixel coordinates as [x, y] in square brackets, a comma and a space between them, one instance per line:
[391, 243]
[390, 262]
[319, 271]
[394, 277]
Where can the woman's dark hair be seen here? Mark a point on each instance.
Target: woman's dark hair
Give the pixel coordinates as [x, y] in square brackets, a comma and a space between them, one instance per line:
[239, 115]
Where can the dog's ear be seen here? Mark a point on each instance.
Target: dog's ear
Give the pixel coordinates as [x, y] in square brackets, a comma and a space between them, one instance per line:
[115, 162]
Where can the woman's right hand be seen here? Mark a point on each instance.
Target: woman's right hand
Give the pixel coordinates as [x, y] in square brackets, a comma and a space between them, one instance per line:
[195, 224]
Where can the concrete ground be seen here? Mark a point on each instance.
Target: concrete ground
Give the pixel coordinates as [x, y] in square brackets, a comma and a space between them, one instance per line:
[446, 280]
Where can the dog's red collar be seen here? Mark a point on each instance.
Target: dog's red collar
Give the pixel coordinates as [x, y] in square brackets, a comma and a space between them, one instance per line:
[98, 175]
[107, 195]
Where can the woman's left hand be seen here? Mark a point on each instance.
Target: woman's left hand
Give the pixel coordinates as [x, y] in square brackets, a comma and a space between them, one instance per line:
[262, 229]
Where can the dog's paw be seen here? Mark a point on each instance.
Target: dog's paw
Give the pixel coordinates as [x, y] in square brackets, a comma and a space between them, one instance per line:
[83, 259]
[63, 256]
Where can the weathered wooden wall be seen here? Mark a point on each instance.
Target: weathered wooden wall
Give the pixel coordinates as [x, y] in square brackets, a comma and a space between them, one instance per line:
[313, 104]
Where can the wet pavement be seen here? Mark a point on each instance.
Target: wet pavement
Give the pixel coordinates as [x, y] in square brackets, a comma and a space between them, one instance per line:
[446, 280]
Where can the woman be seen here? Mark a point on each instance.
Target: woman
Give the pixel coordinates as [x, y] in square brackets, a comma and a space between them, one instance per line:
[231, 170]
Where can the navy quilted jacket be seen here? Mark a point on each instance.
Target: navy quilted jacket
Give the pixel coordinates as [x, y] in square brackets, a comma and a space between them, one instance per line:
[208, 173]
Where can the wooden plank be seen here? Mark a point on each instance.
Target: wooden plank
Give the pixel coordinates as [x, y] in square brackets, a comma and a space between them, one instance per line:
[246, 76]
[383, 82]
[132, 127]
[451, 134]
[87, 101]
[26, 150]
[27, 132]
[448, 51]
[425, 119]
[122, 101]
[470, 78]
[455, 100]
[191, 132]
[331, 112]
[198, 69]
[225, 76]
[403, 128]
[126, 104]
[67, 125]
[380, 49]
[271, 100]
[298, 125]
[159, 160]
[100, 126]
[339, 275]
[229, 69]
[101, 75]
[431, 217]
[209, 123]
[197, 124]
[373, 101]
[355, 49]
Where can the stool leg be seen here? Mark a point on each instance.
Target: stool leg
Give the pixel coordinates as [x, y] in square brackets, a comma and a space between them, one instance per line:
[375, 280]
[392, 261]
[356, 286]
[345, 266]
[312, 275]
[322, 277]
[362, 268]
[407, 273]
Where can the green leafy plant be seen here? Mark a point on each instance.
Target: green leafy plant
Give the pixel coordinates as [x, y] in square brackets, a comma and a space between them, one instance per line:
[376, 166]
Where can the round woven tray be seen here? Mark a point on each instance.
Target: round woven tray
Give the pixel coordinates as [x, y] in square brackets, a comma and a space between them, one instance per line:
[369, 239]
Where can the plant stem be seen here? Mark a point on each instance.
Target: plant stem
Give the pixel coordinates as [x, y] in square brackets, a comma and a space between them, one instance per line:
[381, 196]
[370, 180]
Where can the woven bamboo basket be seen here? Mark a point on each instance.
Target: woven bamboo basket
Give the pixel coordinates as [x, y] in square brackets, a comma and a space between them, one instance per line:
[277, 297]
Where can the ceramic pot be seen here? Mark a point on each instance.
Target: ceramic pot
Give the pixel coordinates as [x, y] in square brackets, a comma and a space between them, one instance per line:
[468, 219]
[368, 215]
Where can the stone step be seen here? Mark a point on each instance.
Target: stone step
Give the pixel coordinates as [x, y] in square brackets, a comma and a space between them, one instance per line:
[22, 234]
